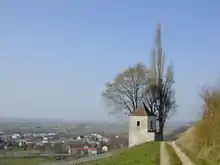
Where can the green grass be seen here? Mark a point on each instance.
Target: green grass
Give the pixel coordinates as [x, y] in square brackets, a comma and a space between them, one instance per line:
[144, 154]
[174, 159]
[22, 161]
[19, 152]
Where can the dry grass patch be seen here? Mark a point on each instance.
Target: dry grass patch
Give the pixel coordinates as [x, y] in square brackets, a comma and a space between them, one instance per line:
[202, 144]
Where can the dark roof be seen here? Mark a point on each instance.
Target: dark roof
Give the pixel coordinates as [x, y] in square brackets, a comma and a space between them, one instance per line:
[142, 111]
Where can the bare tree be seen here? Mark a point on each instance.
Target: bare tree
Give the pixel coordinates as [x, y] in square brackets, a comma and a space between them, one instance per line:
[160, 94]
[137, 85]
[126, 92]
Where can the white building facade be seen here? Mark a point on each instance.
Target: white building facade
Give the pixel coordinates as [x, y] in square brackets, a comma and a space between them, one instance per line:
[142, 126]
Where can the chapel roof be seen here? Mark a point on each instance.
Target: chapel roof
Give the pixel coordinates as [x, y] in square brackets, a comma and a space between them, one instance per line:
[142, 111]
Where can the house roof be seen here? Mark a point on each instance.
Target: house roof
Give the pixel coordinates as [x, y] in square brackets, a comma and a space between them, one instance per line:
[142, 111]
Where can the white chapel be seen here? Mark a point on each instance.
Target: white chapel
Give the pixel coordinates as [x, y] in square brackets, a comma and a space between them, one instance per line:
[142, 126]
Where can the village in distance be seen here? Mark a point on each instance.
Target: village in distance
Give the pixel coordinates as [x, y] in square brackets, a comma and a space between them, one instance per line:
[54, 137]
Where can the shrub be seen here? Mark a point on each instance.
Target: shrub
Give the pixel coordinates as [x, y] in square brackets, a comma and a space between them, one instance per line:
[207, 130]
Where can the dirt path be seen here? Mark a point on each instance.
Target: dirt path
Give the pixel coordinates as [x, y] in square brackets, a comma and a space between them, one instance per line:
[184, 159]
[164, 156]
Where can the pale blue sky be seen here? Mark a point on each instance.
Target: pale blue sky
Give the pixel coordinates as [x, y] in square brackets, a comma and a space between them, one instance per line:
[56, 55]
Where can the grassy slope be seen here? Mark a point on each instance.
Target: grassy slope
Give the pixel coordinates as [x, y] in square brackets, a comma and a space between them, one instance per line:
[193, 157]
[202, 142]
[187, 144]
[174, 159]
[148, 153]
[176, 133]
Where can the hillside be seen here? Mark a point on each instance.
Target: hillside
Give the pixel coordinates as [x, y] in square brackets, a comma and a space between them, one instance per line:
[148, 153]
[202, 141]
[173, 135]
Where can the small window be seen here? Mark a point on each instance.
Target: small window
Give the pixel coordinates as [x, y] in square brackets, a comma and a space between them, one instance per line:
[151, 125]
[138, 123]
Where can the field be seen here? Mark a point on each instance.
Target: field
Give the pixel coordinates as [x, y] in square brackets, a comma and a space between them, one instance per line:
[148, 153]
[18, 152]
[32, 161]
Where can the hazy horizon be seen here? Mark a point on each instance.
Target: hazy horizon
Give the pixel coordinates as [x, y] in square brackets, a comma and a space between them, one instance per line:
[63, 121]
[56, 56]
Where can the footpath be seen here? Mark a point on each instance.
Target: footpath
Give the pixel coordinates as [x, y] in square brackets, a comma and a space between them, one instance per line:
[184, 159]
[164, 156]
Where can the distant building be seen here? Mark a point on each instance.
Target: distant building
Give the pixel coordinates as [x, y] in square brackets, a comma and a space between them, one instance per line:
[45, 138]
[45, 141]
[81, 148]
[69, 150]
[20, 144]
[92, 151]
[78, 138]
[52, 134]
[142, 126]
[104, 149]
[8, 146]
[16, 136]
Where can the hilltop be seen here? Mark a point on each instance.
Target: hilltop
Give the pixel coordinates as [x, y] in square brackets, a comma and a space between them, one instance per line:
[147, 153]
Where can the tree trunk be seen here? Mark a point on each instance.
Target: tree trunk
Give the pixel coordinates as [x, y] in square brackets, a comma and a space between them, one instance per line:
[161, 130]
[161, 109]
